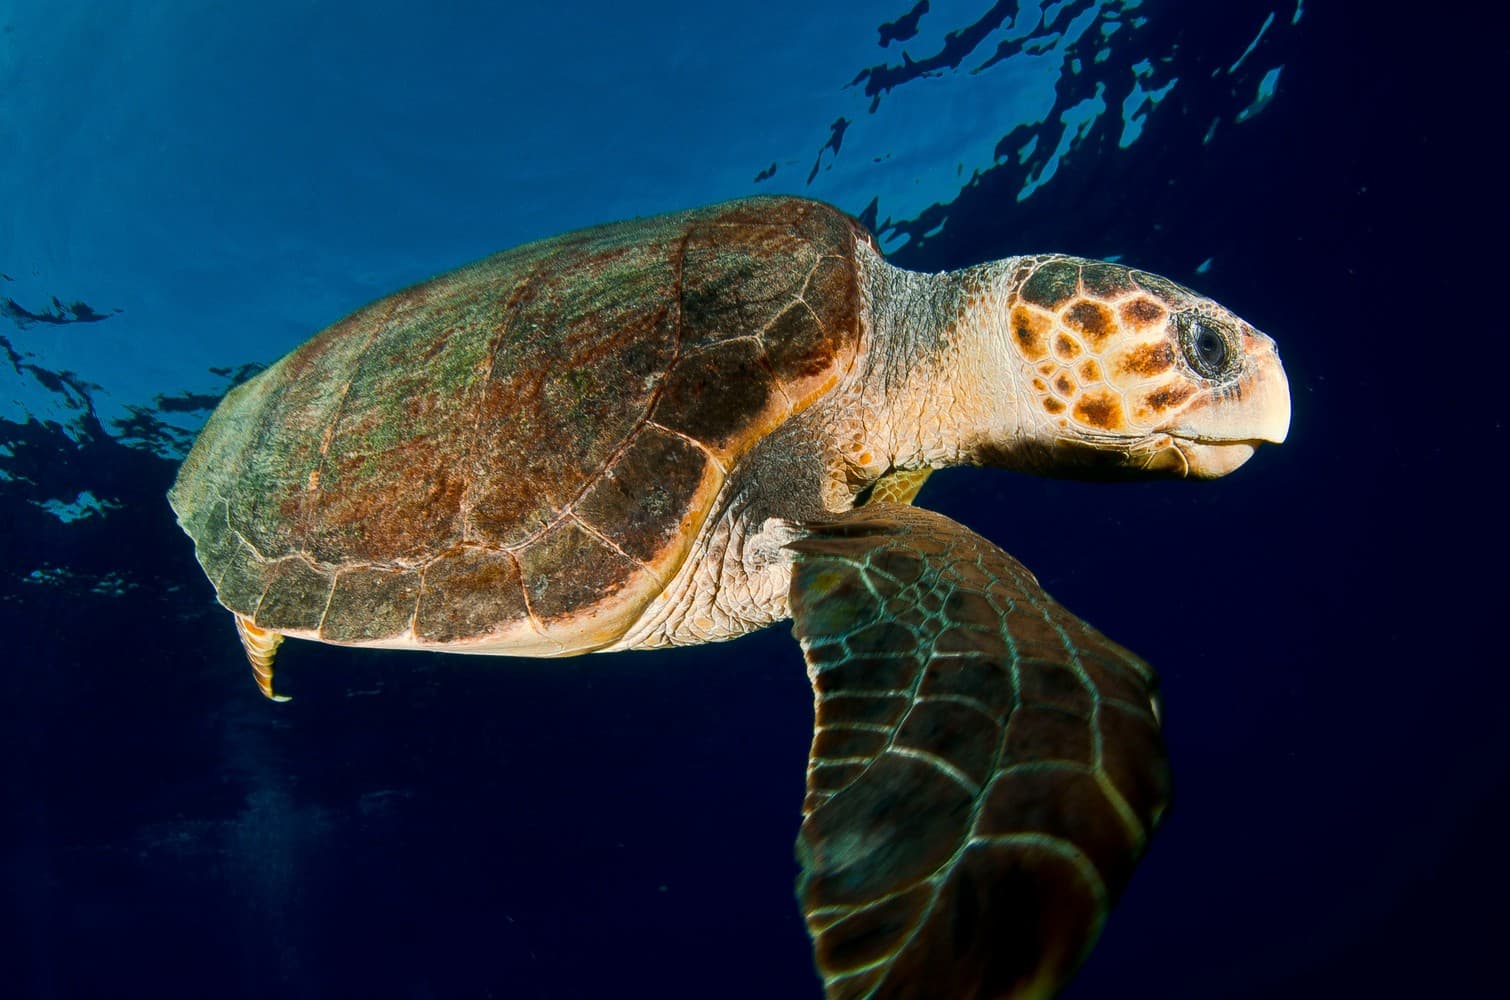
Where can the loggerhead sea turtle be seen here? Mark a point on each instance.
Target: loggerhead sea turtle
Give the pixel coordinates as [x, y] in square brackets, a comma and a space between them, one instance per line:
[680, 429]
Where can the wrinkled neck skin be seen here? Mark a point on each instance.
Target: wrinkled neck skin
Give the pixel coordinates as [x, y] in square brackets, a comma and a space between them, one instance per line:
[938, 382]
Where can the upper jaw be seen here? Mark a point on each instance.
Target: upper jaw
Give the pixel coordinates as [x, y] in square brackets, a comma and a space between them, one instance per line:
[1222, 431]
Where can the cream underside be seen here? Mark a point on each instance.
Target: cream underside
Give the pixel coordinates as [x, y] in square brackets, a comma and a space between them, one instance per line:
[527, 642]
[742, 588]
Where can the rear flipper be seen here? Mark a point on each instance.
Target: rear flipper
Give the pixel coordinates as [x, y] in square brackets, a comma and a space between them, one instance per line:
[261, 646]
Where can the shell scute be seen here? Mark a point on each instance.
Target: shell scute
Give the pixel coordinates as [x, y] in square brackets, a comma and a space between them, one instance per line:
[243, 580]
[295, 595]
[647, 498]
[467, 592]
[370, 604]
[476, 462]
[735, 279]
[280, 450]
[577, 365]
[366, 512]
[720, 395]
[215, 544]
[575, 581]
[799, 343]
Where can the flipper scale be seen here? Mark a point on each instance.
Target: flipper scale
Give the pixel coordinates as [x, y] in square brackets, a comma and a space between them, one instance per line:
[261, 647]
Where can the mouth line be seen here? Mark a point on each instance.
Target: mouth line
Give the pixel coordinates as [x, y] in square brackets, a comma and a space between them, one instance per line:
[1192, 438]
[1251, 442]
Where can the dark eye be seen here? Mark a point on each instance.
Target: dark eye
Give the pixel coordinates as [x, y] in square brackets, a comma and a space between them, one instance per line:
[1205, 347]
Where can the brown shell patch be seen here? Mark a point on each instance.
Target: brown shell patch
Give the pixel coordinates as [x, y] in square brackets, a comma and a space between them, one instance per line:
[833, 288]
[568, 571]
[797, 345]
[576, 366]
[399, 501]
[467, 593]
[370, 604]
[736, 278]
[1053, 405]
[1052, 285]
[645, 500]
[1066, 348]
[1092, 319]
[716, 395]
[788, 279]
[394, 445]
[804, 344]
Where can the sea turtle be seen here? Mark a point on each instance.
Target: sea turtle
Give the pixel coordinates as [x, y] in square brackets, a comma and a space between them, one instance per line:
[680, 429]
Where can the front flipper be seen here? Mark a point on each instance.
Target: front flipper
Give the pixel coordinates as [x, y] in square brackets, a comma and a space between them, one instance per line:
[985, 771]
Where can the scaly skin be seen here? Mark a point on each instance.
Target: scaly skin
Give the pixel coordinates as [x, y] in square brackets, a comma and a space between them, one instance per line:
[986, 768]
[1054, 365]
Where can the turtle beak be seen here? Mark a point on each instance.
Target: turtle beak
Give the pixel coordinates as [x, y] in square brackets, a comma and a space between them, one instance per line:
[1221, 433]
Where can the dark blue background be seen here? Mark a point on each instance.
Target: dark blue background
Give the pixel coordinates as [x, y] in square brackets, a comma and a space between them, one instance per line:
[1325, 622]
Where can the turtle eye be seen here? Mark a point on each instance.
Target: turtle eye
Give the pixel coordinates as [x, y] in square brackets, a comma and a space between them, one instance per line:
[1205, 347]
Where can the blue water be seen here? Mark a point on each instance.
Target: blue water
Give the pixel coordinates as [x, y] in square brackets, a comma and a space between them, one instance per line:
[192, 190]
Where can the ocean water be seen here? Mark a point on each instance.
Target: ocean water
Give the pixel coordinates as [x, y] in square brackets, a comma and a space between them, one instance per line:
[191, 191]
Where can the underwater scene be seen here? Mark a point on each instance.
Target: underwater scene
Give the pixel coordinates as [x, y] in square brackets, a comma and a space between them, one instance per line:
[194, 190]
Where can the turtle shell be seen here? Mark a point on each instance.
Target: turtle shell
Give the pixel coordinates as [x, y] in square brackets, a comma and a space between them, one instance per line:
[516, 456]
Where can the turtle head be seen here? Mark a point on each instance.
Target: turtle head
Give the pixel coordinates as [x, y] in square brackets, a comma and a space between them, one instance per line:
[1125, 372]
